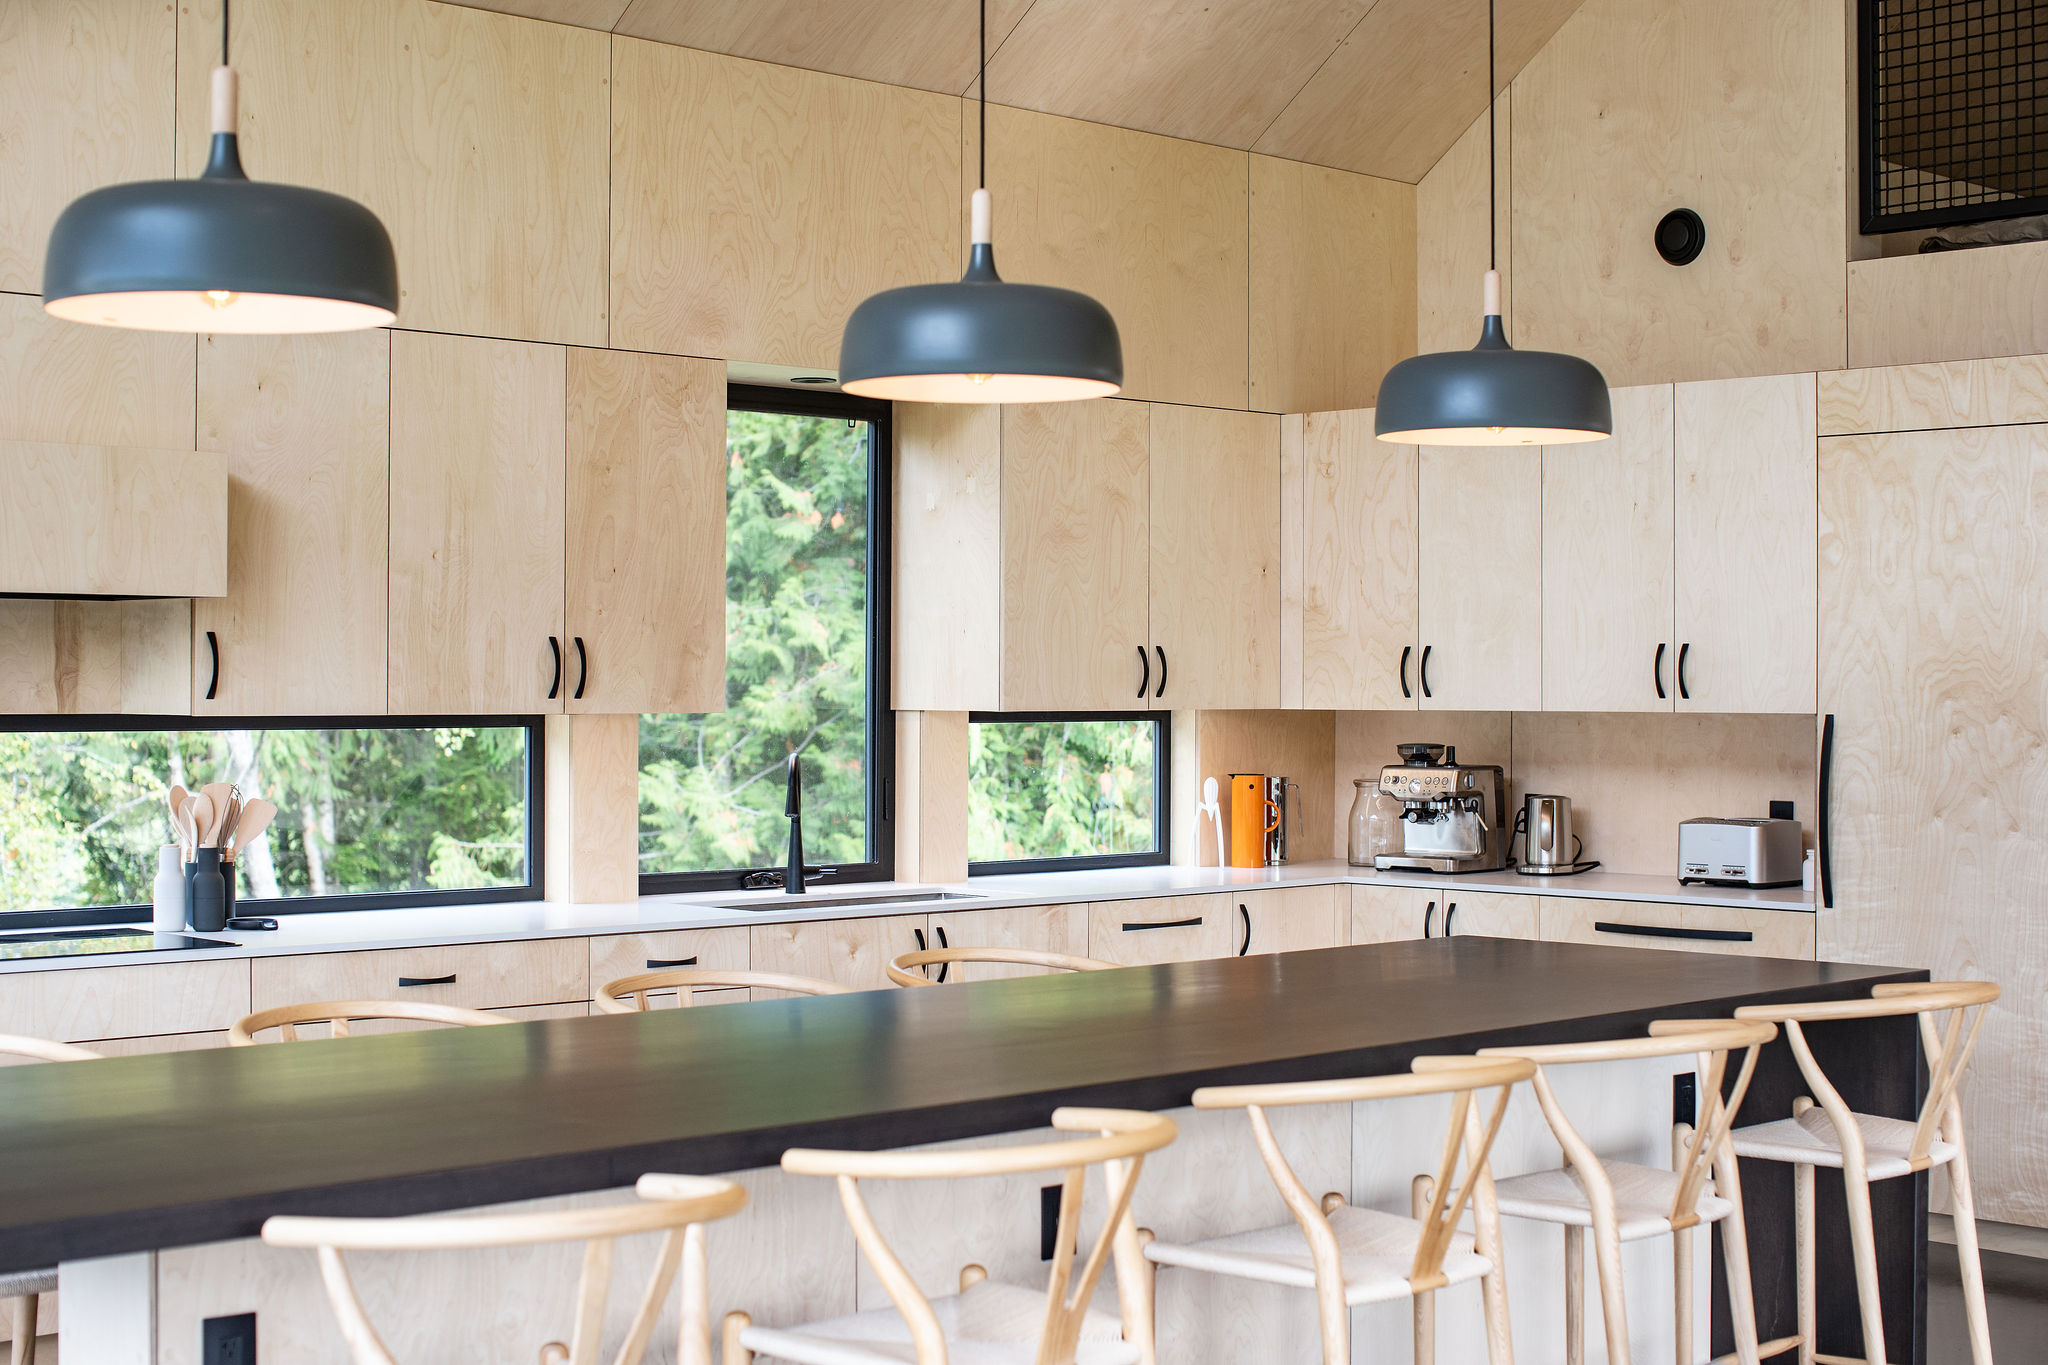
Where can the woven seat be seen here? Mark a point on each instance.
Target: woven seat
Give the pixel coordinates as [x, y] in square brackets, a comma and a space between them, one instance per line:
[1378, 1251]
[988, 1324]
[1643, 1199]
[1811, 1140]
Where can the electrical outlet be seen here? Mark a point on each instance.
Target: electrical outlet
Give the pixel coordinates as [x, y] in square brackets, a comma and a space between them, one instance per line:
[1782, 810]
[1685, 1102]
[228, 1341]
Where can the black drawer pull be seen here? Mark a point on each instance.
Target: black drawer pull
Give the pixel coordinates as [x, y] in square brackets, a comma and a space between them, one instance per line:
[1657, 671]
[655, 964]
[1673, 931]
[1164, 924]
[447, 980]
[1428, 918]
[1246, 914]
[1450, 913]
[1144, 671]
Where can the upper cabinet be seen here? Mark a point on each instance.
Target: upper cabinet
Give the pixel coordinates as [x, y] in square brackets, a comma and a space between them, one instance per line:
[1480, 600]
[1358, 637]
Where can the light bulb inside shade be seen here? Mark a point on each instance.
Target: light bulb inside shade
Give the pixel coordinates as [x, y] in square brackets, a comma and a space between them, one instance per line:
[979, 379]
[179, 310]
[218, 298]
[979, 388]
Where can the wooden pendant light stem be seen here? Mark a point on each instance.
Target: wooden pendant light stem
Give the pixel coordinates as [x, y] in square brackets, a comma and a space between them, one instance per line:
[224, 99]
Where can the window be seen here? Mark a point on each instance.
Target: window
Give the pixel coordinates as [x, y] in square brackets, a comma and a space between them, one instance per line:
[1066, 791]
[806, 653]
[371, 814]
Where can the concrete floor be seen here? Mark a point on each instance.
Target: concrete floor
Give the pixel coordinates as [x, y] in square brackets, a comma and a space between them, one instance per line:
[2016, 1302]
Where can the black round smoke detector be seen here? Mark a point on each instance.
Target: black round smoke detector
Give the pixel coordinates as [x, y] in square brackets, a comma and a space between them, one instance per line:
[1681, 236]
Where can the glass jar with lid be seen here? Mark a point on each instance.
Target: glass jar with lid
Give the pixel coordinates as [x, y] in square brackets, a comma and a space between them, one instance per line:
[1375, 824]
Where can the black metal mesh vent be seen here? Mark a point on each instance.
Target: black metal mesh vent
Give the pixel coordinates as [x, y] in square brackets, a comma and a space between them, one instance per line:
[1954, 129]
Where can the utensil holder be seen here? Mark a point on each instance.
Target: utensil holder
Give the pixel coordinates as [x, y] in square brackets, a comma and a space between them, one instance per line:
[209, 911]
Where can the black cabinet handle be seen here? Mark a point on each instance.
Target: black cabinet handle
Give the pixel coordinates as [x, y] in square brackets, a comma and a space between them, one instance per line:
[655, 964]
[1450, 914]
[447, 980]
[1406, 650]
[555, 687]
[582, 669]
[1683, 693]
[1657, 671]
[1425, 670]
[1428, 918]
[1246, 915]
[1821, 824]
[1144, 671]
[1673, 931]
[1163, 924]
[1162, 670]
[213, 647]
[944, 967]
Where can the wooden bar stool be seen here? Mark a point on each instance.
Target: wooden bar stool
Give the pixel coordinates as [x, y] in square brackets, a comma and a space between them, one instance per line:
[906, 969]
[338, 1014]
[986, 1322]
[678, 1211]
[1351, 1256]
[21, 1286]
[613, 996]
[1619, 1201]
[1867, 1148]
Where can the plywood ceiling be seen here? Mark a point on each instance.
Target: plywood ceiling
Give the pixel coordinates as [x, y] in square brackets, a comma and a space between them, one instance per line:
[1382, 87]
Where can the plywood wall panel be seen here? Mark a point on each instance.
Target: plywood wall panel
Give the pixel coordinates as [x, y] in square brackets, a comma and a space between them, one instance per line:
[803, 194]
[1291, 744]
[949, 558]
[1949, 305]
[1962, 393]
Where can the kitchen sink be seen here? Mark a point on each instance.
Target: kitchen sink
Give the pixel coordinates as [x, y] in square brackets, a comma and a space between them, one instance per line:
[811, 902]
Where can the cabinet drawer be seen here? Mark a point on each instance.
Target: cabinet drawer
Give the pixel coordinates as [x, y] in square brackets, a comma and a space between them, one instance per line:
[1688, 928]
[617, 955]
[78, 1006]
[475, 975]
[1165, 929]
[852, 952]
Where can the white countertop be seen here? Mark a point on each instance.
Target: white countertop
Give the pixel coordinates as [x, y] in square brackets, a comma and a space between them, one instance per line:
[433, 926]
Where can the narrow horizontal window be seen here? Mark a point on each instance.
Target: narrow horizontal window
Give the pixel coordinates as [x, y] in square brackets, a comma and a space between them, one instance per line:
[1053, 791]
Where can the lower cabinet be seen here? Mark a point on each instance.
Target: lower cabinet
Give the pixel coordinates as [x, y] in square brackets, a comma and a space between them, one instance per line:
[617, 955]
[1689, 928]
[1137, 933]
[1492, 914]
[1387, 914]
[1041, 928]
[146, 1000]
[477, 976]
[851, 952]
[1287, 919]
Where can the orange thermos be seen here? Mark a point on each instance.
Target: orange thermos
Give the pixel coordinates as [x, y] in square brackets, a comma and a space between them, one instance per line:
[1254, 822]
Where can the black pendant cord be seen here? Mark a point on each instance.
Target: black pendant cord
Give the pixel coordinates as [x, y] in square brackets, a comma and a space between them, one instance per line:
[1492, 155]
[224, 33]
[982, 172]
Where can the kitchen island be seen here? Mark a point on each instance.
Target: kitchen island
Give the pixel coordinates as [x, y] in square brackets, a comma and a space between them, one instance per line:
[104, 1165]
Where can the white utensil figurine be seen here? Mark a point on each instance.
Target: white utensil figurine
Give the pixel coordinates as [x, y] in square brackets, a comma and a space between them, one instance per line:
[1209, 807]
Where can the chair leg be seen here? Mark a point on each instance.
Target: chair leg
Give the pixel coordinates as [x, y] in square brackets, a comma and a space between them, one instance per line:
[1735, 1255]
[24, 1352]
[732, 1353]
[1137, 1298]
[1863, 1243]
[1681, 1295]
[1613, 1303]
[1574, 1295]
[1420, 1191]
[1803, 1257]
[1967, 1254]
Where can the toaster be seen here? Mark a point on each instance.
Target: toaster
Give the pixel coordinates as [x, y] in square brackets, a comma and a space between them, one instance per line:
[1740, 852]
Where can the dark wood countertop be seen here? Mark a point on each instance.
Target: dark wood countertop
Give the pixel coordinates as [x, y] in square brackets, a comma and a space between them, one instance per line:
[138, 1153]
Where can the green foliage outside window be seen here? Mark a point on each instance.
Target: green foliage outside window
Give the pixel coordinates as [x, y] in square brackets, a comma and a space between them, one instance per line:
[1059, 789]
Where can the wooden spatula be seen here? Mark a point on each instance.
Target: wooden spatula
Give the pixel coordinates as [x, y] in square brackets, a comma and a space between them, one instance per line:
[256, 817]
[199, 810]
[174, 799]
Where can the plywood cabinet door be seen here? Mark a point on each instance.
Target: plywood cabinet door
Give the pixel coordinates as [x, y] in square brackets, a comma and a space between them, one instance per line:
[1747, 544]
[305, 424]
[1289, 919]
[1391, 914]
[1607, 643]
[1076, 544]
[645, 593]
[1215, 477]
[477, 461]
[852, 952]
[1137, 933]
[1481, 563]
[1490, 914]
[1359, 567]
[1041, 928]
[1739, 929]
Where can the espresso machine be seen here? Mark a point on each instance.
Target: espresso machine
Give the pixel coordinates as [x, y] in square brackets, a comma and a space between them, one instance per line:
[1451, 812]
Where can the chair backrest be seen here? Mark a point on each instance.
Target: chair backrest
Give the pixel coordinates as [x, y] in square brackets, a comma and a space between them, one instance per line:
[1950, 1015]
[628, 994]
[905, 969]
[43, 1050]
[1467, 1135]
[1123, 1137]
[337, 1014]
[678, 1209]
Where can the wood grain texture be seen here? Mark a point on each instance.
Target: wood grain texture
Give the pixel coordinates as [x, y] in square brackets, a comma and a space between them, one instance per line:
[852, 952]
[931, 806]
[615, 955]
[806, 194]
[85, 96]
[1933, 575]
[1110, 939]
[646, 532]
[1215, 561]
[1360, 575]
[1607, 563]
[1774, 933]
[949, 558]
[1045, 928]
[1480, 598]
[84, 1004]
[1638, 107]
[96, 658]
[1451, 244]
[540, 971]
[1333, 261]
[1746, 544]
[593, 809]
[598, 14]
[1489, 914]
[304, 422]
[1291, 744]
[1391, 914]
[1949, 305]
[1293, 918]
[1076, 545]
[1154, 228]
[477, 471]
[1961, 393]
[1405, 83]
[112, 521]
[91, 385]
[1293, 553]
[443, 110]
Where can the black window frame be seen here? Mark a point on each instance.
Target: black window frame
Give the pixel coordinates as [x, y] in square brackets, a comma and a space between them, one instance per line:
[533, 889]
[881, 802]
[1162, 795]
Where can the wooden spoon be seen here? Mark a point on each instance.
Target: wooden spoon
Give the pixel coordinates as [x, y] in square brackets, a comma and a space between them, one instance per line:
[188, 830]
[200, 811]
[175, 798]
[256, 817]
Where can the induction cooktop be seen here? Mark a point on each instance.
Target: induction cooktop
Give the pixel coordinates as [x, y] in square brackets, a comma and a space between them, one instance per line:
[115, 938]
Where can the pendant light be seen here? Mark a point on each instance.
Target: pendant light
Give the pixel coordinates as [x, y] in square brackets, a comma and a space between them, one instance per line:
[981, 340]
[221, 253]
[1493, 394]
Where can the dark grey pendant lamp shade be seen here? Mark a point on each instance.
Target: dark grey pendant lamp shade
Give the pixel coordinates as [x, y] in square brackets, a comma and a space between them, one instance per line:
[981, 340]
[221, 253]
